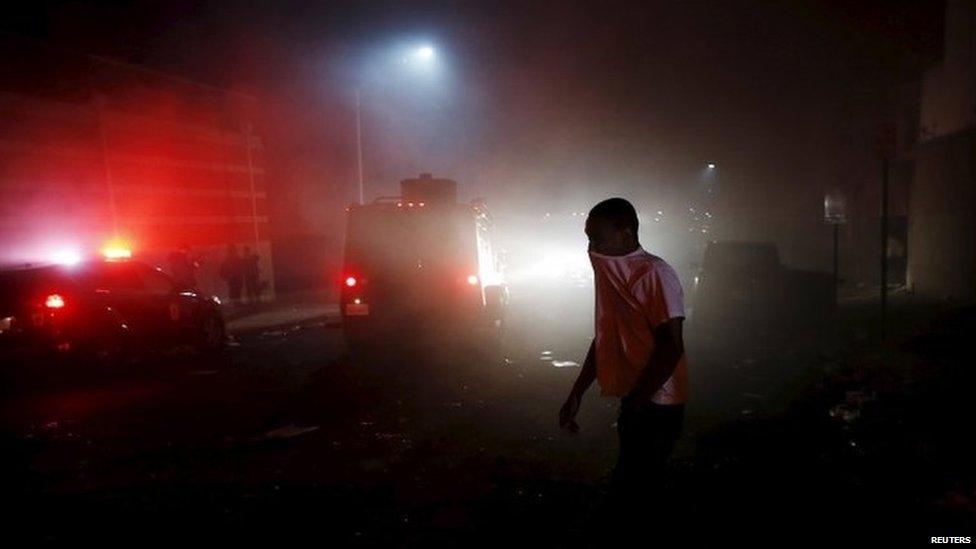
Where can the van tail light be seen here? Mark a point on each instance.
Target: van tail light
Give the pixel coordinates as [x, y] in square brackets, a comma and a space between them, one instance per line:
[54, 301]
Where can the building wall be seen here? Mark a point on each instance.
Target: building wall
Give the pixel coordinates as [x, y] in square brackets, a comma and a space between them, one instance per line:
[108, 152]
[942, 231]
[942, 227]
[949, 90]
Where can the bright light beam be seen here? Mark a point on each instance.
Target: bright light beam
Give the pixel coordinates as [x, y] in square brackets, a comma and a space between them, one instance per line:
[426, 54]
[66, 257]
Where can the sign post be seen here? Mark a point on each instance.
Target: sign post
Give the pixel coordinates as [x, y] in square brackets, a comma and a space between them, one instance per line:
[887, 146]
[835, 214]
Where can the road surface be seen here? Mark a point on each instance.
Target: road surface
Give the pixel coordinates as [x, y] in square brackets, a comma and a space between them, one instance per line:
[418, 442]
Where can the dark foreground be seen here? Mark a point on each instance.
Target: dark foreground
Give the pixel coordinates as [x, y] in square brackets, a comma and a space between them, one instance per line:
[792, 435]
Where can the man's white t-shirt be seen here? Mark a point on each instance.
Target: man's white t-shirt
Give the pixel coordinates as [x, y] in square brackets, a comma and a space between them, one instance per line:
[635, 293]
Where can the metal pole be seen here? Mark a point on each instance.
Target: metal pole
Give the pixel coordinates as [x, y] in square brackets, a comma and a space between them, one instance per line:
[836, 261]
[359, 145]
[884, 243]
[254, 196]
[107, 163]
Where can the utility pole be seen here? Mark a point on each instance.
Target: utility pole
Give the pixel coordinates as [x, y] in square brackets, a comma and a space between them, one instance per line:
[885, 168]
[100, 109]
[835, 213]
[888, 147]
[836, 261]
[359, 145]
[254, 196]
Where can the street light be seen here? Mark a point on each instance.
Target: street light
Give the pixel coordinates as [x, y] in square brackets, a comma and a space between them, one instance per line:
[711, 166]
[425, 53]
[423, 56]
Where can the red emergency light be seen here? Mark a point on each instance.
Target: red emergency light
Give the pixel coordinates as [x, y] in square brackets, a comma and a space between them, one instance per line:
[117, 249]
[351, 281]
[54, 301]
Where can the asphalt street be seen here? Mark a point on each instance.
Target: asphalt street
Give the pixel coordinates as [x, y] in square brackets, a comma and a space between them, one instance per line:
[426, 439]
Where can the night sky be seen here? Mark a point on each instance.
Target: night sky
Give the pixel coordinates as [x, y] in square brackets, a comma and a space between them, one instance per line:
[543, 105]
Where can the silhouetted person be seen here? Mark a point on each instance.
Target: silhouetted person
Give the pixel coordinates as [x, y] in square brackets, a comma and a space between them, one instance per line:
[252, 275]
[184, 267]
[232, 271]
[637, 354]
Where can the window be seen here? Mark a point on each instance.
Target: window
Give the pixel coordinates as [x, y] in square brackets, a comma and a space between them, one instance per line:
[116, 278]
[156, 282]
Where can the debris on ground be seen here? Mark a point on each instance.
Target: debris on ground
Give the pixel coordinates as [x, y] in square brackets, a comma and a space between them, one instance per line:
[289, 431]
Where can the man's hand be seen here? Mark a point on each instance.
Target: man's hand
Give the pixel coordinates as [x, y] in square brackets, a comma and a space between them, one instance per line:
[567, 414]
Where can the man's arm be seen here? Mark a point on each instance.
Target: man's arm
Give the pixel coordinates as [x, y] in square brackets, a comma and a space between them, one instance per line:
[669, 346]
[567, 414]
[587, 373]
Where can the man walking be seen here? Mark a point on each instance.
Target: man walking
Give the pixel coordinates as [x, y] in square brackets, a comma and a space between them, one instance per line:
[637, 353]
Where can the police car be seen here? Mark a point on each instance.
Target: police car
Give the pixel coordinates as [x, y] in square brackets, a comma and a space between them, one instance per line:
[100, 310]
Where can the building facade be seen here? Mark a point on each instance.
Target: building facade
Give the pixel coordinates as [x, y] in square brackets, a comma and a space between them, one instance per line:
[942, 212]
[93, 152]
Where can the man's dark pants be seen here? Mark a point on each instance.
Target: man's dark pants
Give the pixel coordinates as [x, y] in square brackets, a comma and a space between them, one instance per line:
[648, 433]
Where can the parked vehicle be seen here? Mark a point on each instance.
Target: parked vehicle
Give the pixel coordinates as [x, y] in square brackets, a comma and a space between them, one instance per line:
[745, 284]
[100, 312]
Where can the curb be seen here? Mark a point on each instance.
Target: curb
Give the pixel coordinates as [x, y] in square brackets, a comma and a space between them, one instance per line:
[303, 323]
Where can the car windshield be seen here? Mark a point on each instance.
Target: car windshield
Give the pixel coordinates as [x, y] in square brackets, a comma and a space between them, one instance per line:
[120, 276]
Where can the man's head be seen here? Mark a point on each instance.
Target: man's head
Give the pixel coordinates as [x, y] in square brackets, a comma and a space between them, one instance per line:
[612, 227]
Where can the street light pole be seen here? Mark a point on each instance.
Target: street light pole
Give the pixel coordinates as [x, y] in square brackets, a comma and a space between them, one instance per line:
[884, 244]
[836, 261]
[425, 56]
[359, 145]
